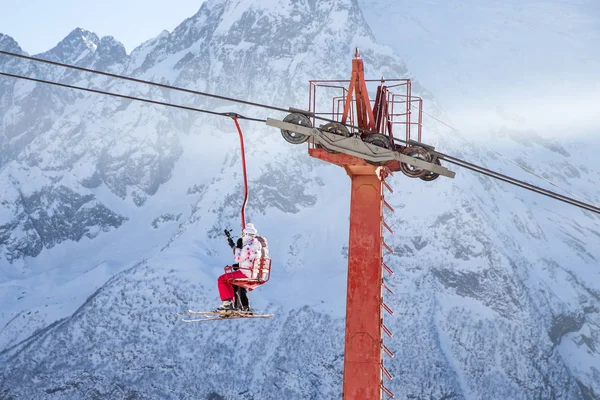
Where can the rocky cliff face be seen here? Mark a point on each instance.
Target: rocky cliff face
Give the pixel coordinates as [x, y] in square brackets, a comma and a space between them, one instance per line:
[112, 213]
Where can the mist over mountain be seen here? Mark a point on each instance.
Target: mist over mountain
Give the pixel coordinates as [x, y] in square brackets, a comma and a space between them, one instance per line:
[112, 211]
[519, 64]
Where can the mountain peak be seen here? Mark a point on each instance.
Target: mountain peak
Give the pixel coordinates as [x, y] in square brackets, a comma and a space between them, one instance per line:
[226, 36]
[7, 43]
[75, 46]
[109, 46]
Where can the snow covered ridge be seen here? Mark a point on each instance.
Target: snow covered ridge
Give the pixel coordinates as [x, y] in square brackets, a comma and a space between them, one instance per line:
[498, 293]
[52, 215]
[123, 146]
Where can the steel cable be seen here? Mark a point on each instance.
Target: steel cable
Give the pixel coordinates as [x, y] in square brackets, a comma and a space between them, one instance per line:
[171, 87]
[123, 96]
[446, 157]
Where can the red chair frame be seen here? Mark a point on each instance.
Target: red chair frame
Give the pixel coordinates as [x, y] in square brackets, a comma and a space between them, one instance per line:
[259, 273]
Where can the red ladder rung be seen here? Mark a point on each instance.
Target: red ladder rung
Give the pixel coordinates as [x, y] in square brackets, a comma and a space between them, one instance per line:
[387, 308]
[388, 269]
[386, 372]
[386, 330]
[385, 203]
[386, 350]
[388, 187]
[387, 288]
[388, 248]
[387, 391]
[387, 227]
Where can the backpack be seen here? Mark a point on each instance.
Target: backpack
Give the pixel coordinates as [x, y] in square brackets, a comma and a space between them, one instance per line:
[262, 272]
[264, 252]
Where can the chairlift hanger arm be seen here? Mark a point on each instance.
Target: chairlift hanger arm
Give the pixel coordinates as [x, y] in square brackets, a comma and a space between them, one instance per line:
[243, 151]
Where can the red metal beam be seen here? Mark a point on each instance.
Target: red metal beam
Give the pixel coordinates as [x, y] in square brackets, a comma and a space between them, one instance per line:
[362, 351]
[363, 360]
[243, 151]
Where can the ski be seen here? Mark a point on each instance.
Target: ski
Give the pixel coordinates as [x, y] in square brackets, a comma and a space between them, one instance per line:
[231, 312]
[224, 317]
[192, 312]
[212, 315]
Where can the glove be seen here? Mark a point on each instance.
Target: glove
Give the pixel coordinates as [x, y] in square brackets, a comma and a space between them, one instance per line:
[230, 241]
[239, 244]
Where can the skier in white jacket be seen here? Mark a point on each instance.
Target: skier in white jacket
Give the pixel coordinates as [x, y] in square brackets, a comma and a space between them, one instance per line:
[247, 249]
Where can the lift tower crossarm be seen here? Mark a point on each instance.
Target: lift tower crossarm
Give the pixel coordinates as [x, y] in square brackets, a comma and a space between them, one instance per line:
[354, 146]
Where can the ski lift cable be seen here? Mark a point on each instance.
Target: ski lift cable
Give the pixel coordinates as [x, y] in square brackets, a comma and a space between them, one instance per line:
[517, 182]
[234, 116]
[171, 87]
[443, 156]
[517, 164]
[127, 78]
[524, 185]
[123, 96]
[541, 177]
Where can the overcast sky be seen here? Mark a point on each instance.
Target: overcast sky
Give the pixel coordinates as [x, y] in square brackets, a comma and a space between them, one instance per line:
[38, 25]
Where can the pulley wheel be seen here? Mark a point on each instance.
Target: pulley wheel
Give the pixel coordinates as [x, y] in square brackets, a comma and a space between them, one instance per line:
[295, 137]
[430, 176]
[337, 129]
[413, 171]
[378, 140]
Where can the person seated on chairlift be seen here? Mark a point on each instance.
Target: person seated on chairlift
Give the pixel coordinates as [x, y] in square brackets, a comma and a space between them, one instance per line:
[245, 251]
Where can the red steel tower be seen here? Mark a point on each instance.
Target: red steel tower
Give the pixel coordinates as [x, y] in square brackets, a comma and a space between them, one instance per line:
[358, 137]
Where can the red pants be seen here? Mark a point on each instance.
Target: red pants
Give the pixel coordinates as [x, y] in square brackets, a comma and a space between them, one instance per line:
[226, 288]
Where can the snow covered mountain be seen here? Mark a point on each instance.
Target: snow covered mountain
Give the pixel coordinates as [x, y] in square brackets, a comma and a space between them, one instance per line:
[113, 210]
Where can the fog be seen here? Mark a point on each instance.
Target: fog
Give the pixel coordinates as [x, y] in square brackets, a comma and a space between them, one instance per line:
[568, 114]
[530, 65]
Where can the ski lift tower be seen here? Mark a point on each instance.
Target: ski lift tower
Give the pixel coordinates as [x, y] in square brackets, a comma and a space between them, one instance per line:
[361, 141]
